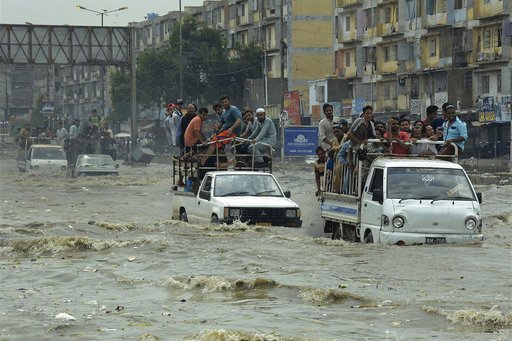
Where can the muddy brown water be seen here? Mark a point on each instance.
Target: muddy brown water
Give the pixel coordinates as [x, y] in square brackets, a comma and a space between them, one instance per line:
[105, 251]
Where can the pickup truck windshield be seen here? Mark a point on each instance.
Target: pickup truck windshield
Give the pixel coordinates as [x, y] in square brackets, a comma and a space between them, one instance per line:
[428, 183]
[246, 185]
[48, 154]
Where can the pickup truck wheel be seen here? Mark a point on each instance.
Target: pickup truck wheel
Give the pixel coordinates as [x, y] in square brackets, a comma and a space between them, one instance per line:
[215, 219]
[368, 237]
[336, 231]
[183, 216]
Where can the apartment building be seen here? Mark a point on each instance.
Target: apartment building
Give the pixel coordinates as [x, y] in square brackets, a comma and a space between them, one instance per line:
[403, 55]
[296, 37]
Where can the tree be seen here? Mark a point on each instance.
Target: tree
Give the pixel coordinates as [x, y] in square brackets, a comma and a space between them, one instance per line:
[120, 95]
[36, 118]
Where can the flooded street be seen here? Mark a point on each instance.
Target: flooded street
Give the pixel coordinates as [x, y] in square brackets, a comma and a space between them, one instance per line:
[105, 251]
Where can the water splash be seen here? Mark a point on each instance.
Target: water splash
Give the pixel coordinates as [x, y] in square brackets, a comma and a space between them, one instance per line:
[466, 317]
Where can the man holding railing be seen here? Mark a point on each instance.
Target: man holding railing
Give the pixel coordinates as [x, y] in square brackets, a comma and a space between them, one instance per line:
[454, 130]
[264, 135]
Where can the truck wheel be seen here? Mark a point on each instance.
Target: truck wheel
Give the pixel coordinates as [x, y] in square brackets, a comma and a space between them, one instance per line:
[215, 219]
[368, 237]
[183, 216]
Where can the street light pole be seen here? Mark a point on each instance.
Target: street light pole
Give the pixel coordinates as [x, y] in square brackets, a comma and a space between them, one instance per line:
[103, 13]
[181, 56]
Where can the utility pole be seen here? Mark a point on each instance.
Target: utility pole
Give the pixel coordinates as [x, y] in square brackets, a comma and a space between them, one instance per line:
[283, 49]
[181, 56]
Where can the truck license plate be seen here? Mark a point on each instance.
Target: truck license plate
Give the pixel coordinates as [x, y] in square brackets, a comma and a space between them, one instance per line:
[261, 223]
[435, 240]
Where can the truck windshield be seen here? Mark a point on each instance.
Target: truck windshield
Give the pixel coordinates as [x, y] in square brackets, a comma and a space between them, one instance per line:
[96, 160]
[428, 183]
[48, 154]
[246, 185]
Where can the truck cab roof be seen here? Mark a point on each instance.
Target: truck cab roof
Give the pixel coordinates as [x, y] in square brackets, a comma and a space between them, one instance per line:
[386, 162]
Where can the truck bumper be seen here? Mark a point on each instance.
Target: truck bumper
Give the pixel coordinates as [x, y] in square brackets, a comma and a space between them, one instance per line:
[393, 238]
[273, 222]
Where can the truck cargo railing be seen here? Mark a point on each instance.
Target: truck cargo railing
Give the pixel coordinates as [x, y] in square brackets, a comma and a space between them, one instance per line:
[343, 179]
[191, 168]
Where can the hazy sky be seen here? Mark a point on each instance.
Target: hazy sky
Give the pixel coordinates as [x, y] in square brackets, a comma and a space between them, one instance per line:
[64, 12]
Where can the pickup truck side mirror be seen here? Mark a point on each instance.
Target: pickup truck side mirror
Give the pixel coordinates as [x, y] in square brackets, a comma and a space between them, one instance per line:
[479, 197]
[205, 195]
[287, 194]
[378, 195]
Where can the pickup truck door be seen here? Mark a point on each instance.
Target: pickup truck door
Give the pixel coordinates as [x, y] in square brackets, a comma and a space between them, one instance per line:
[204, 206]
[371, 211]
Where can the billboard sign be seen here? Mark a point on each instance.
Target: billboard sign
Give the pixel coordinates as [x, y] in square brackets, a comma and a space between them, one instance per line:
[300, 141]
[292, 106]
[48, 107]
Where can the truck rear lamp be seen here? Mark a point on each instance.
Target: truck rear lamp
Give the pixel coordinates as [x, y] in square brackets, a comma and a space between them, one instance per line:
[470, 224]
[291, 213]
[398, 222]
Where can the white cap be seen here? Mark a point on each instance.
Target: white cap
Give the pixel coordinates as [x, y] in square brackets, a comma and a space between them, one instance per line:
[260, 110]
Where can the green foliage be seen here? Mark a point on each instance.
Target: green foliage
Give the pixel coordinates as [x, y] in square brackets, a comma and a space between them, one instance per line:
[208, 72]
[37, 119]
[120, 87]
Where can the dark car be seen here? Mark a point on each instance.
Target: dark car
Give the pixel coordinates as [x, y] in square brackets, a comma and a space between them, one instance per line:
[95, 164]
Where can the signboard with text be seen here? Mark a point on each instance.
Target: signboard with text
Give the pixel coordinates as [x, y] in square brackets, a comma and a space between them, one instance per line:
[497, 108]
[292, 106]
[48, 107]
[300, 141]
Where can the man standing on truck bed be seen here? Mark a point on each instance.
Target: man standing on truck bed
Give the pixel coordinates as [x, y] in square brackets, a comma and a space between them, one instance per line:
[325, 128]
[401, 140]
[362, 128]
[230, 126]
[265, 133]
[454, 130]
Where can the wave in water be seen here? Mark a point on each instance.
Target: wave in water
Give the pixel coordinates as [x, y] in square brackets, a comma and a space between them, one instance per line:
[38, 180]
[122, 226]
[57, 244]
[225, 335]
[466, 317]
[500, 219]
[209, 284]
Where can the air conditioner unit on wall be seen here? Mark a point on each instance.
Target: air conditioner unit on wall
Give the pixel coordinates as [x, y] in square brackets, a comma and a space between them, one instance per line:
[491, 56]
[480, 56]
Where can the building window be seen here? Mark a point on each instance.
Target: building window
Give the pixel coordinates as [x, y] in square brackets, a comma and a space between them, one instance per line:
[394, 52]
[347, 59]
[484, 85]
[431, 7]
[411, 51]
[433, 47]
[370, 18]
[387, 15]
[269, 64]
[486, 1]
[386, 54]
[498, 83]
[320, 93]
[487, 39]
[386, 91]
[468, 80]
[458, 4]
[497, 37]
[347, 23]
[243, 10]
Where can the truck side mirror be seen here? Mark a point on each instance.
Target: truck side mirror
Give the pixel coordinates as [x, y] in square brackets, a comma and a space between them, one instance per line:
[205, 195]
[479, 197]
[378, 195]
[287, 194]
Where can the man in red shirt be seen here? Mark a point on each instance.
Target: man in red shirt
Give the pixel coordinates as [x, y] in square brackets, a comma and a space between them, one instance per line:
[194, 133]
[401, 140]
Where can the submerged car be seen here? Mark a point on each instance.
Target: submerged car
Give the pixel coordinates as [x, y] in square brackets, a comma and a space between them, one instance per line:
[95, 164]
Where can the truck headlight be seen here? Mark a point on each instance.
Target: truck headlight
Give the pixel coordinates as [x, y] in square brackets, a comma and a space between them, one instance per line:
[398, 222]
[291, 212]
[234, 212]
[63, 168]
[36, 167]
[470, 224]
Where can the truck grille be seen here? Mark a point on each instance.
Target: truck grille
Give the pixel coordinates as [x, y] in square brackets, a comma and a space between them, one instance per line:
[262, 213]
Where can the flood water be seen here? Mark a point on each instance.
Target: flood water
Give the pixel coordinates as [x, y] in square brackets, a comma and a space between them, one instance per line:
[106, 251]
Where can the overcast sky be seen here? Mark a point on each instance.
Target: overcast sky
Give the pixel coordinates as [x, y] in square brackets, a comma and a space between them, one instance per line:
[64, 12]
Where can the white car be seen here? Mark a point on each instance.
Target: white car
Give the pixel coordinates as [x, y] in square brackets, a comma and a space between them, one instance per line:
[247, 196]
[47, 158]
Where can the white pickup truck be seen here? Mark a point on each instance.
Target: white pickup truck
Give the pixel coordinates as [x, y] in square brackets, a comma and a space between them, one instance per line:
[47, 158]
[248, 196]
[406, 201]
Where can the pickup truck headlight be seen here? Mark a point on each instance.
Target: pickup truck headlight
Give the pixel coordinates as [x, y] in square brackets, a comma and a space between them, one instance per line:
[470, 224]
[234, 212]
[291, 213]
[398, 222]
[63, 168]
